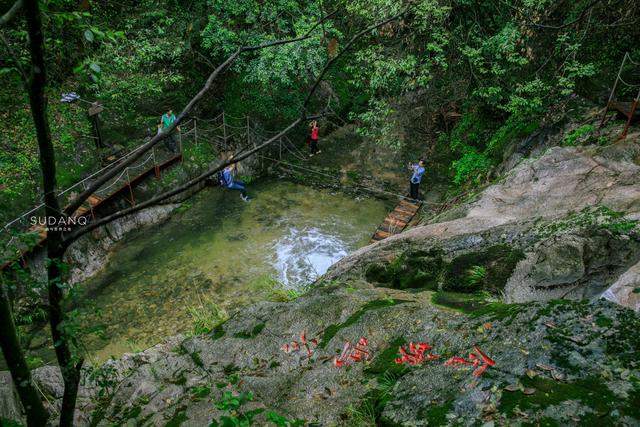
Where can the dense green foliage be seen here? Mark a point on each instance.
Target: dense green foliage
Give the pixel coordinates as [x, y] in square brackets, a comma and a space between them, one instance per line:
[498, 65]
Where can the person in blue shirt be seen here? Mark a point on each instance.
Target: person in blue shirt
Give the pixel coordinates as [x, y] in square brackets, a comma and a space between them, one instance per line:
[229, 181]
[414, 183]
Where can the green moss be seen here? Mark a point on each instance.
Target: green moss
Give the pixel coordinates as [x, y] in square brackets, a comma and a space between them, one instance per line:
[603, 321]
[383, 361]
[331, 330]
[497, 263]
[179, 417]
[96, 416]
[252, 333]
[181, 380]
[132, 412]
[416, 269]
[463, 302]
[624, 343]
[592, 218]
[591, 392]
[198, 392]
[230, 369]
[218, 332]
[551, 306]
[196, 359]
[6, 422]
[476, 305]
[545, 422]
[487, 269]
[437, 415]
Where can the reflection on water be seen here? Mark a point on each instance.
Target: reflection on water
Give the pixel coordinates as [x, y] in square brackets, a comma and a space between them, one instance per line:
[220, 249]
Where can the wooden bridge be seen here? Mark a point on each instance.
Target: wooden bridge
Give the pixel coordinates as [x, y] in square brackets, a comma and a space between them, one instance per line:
[627, 110]
[397, 220]
[119, 188]
[221, 132]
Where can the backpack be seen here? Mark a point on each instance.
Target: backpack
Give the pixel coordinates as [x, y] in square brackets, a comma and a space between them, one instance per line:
[220, 178]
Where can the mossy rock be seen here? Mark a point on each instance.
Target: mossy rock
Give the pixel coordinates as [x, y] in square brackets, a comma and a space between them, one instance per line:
[487, 269]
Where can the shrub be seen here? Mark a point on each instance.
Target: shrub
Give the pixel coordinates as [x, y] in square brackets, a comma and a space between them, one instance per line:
[476, 275]
[579, 136]
[472, 166]
[516, 126]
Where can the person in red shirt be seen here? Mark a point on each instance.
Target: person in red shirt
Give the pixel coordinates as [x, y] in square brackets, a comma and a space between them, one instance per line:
[313, 138]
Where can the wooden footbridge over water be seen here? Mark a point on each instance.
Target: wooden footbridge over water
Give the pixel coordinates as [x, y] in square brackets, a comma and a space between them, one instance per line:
[398, 219]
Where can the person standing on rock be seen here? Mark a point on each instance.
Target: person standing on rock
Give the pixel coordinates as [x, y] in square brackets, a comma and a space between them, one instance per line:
[167, 120]
[313, 138]
[414, 183]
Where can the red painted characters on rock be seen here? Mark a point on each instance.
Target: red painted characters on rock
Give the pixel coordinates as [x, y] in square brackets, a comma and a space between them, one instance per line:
[353, 353]
[477, 359]
[304, 347]
[415, 354]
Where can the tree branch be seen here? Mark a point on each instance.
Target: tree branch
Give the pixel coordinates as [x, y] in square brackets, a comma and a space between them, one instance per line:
[580, 17]
[331, 61]
[93, 225]
[8, 16]
[303, 117]
[100, 181]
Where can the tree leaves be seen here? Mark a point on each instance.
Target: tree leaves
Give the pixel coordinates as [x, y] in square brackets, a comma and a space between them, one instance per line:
[88, 35]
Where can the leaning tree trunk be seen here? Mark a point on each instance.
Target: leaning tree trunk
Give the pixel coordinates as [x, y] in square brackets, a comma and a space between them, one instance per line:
[69, 368]
[14, 356]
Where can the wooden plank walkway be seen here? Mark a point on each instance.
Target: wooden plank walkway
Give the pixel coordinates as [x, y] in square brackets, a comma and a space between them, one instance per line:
[91, 204]
[626, 109]
[397, 219]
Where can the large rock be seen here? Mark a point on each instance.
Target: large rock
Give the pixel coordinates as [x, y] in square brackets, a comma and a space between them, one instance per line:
[564, 362]
[534, 209]
[10, 407]
[541, 233]
[572, 265]
[626, 290]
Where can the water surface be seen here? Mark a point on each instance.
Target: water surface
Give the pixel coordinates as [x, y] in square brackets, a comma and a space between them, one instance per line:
[220, 250]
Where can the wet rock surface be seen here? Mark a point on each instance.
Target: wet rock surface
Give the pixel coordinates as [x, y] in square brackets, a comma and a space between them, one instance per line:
[555, 362]
[626, 290]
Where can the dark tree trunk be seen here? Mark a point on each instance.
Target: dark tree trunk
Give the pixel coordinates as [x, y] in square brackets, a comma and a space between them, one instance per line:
[20, 373]
[69, 368]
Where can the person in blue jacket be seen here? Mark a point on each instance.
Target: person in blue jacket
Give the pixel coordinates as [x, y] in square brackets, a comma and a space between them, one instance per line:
[414, 183]
[229, 181]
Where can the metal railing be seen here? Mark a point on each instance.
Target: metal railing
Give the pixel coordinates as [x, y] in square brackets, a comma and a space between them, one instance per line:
[224, 132]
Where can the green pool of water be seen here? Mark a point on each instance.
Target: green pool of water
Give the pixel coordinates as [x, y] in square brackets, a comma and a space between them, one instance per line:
[220, 250]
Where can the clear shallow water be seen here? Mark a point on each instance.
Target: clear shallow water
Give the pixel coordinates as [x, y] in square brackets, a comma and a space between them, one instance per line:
[222, 250]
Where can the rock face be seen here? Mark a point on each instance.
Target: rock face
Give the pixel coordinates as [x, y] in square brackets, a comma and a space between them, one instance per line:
[626, 290]
[90, 253]
[562, 362]
[562, 211]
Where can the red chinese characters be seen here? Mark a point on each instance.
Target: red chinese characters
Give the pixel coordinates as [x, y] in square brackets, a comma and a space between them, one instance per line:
[415, 354]
[351, 354]
[304, 344]
[478, 359]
